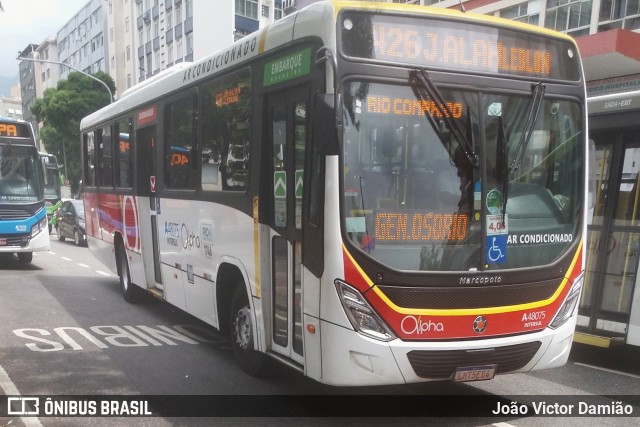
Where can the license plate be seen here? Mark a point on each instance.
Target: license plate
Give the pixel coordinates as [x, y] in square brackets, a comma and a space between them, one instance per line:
[474, 373]
[3, 242]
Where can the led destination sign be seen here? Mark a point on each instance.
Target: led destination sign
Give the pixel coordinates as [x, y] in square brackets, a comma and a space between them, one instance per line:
[457, 46]
[416, 226]
[410, 106]
[14, 130]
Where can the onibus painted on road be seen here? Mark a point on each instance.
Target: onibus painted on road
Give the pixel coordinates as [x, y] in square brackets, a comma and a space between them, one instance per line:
[369, 193]
[609, 311]
[23, 217]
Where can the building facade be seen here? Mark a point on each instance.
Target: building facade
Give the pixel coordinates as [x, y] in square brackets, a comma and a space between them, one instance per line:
[81, 41]
[28, 71]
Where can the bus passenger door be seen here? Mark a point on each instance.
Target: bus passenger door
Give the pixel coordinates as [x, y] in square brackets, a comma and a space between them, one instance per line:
[287, 136]
[148, 205]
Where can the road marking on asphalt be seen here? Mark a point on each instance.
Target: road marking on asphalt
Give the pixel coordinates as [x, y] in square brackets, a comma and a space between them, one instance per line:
[103, 273]
[10, 389]
[66, 259]
[51, 253]
[83, 265]
[503, 425]
[607, 370]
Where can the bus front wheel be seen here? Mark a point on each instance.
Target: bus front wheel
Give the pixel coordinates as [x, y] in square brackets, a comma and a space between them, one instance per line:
[25, 257]
[242, 335]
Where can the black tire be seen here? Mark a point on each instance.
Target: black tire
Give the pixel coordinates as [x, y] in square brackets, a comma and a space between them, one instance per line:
[242, 334]
[25, 257]
[50, 228]
[77, 237]
[131, 293]
[60, 236]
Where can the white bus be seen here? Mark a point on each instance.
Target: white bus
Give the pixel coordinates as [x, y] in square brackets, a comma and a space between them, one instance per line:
[370, 193]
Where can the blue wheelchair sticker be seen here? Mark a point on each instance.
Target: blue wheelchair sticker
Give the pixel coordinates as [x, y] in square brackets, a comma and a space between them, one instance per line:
[496, 251]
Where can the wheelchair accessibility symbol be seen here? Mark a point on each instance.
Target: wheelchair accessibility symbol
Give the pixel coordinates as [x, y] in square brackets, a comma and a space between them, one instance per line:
[496, 251]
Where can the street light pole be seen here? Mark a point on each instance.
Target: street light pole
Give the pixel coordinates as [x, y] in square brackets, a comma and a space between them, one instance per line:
[22, 58]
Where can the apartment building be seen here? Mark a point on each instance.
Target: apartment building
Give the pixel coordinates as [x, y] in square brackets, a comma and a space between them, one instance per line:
[81, 41]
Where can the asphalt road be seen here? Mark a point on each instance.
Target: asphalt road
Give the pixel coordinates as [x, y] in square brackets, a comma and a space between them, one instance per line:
[66, 330]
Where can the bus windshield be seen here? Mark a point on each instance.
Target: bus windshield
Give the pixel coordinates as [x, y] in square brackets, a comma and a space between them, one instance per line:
[20, 175]
[416, 199]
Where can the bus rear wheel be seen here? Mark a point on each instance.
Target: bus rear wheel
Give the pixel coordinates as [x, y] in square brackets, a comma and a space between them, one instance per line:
[242, 335]
[130, 292]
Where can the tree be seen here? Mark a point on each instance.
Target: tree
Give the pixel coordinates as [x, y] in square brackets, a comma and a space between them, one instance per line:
[60, 111]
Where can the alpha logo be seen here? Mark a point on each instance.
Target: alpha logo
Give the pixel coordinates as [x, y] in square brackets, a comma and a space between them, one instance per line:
[479, 325]
[412, 325]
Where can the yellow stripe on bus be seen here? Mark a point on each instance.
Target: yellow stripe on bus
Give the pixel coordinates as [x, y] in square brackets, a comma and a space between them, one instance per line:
[472, 311]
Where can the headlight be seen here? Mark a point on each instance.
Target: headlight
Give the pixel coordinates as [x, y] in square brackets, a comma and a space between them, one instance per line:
[361, 315]
[41, 225]
[568, 308]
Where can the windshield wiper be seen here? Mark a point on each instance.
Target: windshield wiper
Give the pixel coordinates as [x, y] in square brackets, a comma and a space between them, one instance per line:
[534, 109]
[424, 88]
[501, 161]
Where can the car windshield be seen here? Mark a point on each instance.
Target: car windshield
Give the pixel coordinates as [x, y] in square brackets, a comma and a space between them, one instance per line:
[20, 175]
[416, 198]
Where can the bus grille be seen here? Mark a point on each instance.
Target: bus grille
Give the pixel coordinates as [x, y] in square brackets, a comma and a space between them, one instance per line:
[14, 241]
[441, 364]
[468, 297]
[14, 214]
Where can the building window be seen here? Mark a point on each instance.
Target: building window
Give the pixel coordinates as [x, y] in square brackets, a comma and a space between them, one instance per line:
[528, 12]
[179, 51]
[569, 16]
[170, 54]
[248, 8]
[189, 43]
[265, 10]
[189, 9]
[619, 14]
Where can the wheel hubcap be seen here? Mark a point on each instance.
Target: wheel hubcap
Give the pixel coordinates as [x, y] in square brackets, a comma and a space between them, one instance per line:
[242, 328]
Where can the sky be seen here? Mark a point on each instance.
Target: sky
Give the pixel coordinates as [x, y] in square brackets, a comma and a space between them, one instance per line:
[30, 21]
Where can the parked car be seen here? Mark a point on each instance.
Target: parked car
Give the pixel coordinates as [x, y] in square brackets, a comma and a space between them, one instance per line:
[70, 223]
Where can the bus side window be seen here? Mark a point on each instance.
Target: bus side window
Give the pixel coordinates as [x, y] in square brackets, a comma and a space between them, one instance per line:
[180, 143]
[106, 156]
[89, 159]
[226, 128]
[124, 163]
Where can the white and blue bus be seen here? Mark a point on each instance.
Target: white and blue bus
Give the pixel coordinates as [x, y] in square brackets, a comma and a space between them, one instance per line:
[370, 193]
[23, 217]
